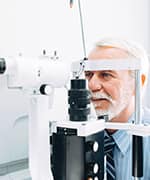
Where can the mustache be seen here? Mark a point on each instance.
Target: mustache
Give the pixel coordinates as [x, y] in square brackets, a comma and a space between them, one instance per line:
[99, 95]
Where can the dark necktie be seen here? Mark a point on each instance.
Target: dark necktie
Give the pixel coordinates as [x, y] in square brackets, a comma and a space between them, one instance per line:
[109, 144]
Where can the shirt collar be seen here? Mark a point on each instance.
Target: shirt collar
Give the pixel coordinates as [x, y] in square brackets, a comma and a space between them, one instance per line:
[123, 139]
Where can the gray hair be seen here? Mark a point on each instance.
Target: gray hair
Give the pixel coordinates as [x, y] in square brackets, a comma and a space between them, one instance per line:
[132, 48]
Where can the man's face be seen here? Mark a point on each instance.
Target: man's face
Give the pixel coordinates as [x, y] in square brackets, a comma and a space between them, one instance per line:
[111, 91]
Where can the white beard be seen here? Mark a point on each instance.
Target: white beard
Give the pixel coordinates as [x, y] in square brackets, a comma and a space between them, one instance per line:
[116, 107]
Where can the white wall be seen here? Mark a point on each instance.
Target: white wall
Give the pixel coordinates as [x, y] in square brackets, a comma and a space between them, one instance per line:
[118, 18]
[29, 26]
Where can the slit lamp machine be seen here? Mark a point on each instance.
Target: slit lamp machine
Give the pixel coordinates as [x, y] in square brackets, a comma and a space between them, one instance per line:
[71, 149]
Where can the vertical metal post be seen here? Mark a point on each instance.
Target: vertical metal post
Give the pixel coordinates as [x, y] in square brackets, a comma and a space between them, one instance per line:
[137, 141]
[137, 97]
[82, 29]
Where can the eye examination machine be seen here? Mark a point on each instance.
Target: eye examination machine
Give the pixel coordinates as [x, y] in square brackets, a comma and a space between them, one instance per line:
[70, 149]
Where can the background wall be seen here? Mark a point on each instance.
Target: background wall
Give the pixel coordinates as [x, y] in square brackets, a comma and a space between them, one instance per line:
[29, 26]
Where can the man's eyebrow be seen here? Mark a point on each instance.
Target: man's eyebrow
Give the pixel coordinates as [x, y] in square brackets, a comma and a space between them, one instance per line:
[87, 71]
[102, 71]
[111, 71]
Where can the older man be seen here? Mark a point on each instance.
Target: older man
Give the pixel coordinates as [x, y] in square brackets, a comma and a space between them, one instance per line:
[113, 93]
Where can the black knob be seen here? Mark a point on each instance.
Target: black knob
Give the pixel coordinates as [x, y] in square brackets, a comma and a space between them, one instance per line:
[93, 178]
[45, 89]
[96, 178]
[92, 168]
[92, 146]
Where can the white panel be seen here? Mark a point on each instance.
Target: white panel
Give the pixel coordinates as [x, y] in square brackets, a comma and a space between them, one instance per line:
[13, 120]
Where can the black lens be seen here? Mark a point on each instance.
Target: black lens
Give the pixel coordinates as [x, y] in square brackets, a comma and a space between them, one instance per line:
[2, 65]
[79, 98]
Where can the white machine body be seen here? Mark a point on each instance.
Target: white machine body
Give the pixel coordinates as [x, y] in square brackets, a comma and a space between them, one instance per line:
[33, 72]
[29, 74]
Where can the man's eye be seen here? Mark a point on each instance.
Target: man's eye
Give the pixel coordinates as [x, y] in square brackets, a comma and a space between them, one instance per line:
[106, 75]
[88, 74]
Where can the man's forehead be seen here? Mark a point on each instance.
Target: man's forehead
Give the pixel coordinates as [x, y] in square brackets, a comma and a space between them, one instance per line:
[107, 53]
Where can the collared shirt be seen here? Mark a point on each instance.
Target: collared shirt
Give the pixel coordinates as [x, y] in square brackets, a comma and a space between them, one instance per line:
[123, 152]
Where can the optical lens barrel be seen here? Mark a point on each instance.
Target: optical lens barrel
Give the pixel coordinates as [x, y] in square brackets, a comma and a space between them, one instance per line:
[78, 99]
[2, 65]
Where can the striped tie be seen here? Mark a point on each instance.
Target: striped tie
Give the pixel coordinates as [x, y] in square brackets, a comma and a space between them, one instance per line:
[109, 144]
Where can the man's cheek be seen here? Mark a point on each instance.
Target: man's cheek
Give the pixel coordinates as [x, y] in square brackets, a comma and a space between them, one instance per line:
[115, 93]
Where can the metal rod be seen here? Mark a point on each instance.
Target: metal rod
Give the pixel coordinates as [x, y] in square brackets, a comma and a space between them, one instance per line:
[137, 141]
[82, 29]
[137, 156]
[71, 3]
[137, 97]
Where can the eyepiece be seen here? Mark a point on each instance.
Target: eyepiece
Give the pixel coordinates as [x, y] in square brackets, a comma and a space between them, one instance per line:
[79, 99]
[2, 65]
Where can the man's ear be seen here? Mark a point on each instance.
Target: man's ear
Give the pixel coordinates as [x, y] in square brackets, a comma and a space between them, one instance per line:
[143, 78]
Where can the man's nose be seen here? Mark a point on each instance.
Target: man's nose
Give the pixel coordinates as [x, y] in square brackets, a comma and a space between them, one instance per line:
[95, 83]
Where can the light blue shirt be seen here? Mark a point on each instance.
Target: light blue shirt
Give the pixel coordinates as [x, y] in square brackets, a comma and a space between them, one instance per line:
[123, 152]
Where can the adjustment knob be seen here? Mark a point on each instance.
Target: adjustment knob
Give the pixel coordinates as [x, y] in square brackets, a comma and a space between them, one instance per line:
[96, 178]
[92, 168]
[93, 178]
[92, 146]
[46, 89]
